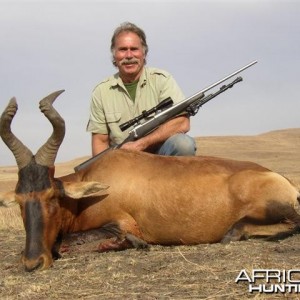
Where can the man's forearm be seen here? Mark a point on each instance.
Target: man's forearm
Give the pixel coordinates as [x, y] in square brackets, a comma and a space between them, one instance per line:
[179, 124]
[99, 143]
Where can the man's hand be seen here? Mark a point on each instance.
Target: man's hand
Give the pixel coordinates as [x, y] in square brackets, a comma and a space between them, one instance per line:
[138, 145]
[180, 124]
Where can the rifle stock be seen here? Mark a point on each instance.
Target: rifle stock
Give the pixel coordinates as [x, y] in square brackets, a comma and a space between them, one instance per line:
[190, 105]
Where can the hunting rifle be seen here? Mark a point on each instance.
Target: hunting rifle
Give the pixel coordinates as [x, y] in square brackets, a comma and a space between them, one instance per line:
[165, 111]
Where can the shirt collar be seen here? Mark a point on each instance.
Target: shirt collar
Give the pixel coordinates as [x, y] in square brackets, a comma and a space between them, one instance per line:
[116, 79]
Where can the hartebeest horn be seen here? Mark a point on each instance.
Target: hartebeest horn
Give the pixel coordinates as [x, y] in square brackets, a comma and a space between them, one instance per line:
[47, 153]
[22, 154]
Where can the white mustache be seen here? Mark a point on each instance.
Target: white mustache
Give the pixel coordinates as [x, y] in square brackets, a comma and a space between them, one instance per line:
[126, 61]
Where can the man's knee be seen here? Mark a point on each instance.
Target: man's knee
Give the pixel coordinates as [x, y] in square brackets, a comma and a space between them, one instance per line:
[178, 145]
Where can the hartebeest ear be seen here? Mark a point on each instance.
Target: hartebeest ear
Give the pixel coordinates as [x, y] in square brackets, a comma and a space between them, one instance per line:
[78, 190]
[8, 199]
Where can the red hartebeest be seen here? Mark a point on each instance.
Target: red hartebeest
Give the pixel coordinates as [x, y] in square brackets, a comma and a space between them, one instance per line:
[136, 198]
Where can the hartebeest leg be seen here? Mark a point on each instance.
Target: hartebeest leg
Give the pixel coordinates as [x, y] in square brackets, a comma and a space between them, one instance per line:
[110, 236]
[136, 242]
[236, 233]
[280, 222]
[121, 239]
[291, 215]
[110, 230]
[56, 246]
[116, 244]
[124, 238]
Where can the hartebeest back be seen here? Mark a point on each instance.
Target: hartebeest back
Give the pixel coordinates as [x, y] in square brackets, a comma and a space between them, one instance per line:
[132, 199]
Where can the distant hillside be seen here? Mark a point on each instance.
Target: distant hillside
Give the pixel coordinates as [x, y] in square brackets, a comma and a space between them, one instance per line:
[278, 150]
[270, 149]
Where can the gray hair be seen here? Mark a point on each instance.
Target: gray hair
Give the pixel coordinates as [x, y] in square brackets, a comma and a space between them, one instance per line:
[129, 27]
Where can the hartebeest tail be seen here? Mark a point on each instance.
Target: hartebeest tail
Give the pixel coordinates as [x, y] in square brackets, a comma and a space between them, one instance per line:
[131, 198]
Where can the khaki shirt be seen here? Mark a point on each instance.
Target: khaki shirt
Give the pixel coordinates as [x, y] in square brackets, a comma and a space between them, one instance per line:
[112, 106]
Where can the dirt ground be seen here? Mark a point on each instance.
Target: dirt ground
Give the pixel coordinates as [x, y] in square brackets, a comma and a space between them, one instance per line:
[206, 271]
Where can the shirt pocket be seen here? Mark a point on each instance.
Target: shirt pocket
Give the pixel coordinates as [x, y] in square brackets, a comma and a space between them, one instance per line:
[113, 121]
[113, 117]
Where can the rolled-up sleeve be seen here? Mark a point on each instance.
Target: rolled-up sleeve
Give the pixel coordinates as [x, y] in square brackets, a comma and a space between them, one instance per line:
[97, 121]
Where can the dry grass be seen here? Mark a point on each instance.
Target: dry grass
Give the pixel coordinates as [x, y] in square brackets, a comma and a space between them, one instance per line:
[10, 218]
[186, 272]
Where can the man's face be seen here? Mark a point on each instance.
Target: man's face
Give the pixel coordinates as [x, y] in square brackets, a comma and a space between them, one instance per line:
[129, 56]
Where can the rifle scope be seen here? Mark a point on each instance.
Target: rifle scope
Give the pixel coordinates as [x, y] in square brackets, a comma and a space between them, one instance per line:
[146, 113]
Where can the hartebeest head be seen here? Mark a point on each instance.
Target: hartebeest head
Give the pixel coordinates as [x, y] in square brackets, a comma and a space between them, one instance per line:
[37, 191]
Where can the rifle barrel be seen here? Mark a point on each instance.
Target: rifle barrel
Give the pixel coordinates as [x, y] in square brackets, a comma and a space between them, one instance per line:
[227, 77]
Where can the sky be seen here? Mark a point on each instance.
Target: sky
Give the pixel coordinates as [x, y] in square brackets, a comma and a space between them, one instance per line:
[52, 45]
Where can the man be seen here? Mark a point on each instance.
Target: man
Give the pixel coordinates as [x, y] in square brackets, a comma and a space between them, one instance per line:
[133, 89]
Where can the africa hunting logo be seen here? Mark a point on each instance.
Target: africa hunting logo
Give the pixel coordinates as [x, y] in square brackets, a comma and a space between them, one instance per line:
[271, 281]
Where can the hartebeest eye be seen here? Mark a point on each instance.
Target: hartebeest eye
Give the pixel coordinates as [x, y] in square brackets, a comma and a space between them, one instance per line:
[50, 200]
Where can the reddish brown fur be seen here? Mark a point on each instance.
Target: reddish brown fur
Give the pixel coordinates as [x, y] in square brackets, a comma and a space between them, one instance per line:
[134, 197]
[162, 200]
[172, 200]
